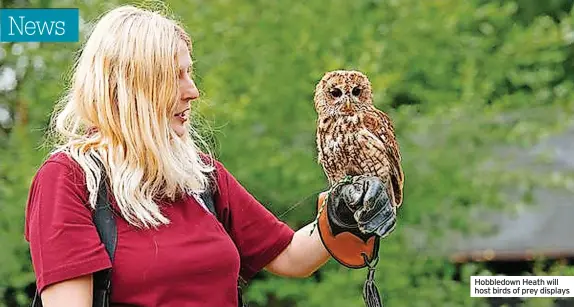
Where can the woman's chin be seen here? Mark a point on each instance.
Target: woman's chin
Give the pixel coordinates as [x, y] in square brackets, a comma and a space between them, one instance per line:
[179, 130]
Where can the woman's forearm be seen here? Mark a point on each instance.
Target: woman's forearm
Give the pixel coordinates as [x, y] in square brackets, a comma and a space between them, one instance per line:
[73, 292]
[303, 256]
[307, 250]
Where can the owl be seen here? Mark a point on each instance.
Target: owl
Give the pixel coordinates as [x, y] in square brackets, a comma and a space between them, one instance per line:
[353, 137]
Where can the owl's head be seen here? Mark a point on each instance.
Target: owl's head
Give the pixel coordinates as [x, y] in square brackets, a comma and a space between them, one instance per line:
[343, 92]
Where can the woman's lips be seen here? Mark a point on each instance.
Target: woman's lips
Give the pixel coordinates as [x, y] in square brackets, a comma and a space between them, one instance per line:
[182, 115]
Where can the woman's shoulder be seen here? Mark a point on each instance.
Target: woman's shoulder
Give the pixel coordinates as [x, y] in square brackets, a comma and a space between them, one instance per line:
[59, 163]
[209, 159]
[220, 177]
[61, 158]
[214, 162]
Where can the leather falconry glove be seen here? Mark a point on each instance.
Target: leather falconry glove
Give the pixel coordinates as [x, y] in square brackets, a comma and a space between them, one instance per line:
[353, 216]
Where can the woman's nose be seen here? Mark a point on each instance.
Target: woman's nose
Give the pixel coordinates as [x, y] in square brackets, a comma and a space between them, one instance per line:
[189, 90]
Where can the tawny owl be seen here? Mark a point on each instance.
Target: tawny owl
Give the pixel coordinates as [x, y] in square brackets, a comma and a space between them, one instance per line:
[353, 137]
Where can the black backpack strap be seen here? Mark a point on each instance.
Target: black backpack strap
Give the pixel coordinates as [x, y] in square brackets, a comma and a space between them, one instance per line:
[207, 198]
[106, 226]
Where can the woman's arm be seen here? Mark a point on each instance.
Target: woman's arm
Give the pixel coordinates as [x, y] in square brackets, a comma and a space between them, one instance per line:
[73, 292]
[303, 256]
[306, 253]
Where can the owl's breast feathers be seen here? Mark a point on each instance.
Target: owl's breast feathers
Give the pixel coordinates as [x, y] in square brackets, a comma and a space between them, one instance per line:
[361, 143]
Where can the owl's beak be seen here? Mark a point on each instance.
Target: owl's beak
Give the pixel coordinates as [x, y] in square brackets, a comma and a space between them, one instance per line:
[348, 104]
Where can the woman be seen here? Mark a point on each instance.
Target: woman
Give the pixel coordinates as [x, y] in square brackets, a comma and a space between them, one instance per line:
[128, 108]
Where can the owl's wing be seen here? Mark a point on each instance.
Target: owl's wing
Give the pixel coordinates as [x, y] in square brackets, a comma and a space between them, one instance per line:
[379, 123]
[321, 158]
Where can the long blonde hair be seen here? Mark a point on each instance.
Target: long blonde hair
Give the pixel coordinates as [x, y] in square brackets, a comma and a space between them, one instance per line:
[118, 108]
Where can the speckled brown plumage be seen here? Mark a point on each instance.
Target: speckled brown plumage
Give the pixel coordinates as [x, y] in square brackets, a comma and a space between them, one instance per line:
[353, 137]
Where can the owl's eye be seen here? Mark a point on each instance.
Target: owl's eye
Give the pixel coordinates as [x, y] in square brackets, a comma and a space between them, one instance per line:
[356, 91]
[336, 92]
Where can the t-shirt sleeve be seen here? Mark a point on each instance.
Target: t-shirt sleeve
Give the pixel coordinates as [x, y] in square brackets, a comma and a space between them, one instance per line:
[64, 243]
[257, 233]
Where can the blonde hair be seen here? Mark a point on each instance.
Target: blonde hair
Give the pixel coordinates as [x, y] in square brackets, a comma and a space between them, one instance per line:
[122, 96]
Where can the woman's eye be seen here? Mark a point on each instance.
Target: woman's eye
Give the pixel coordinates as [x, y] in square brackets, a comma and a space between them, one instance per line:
[336, 92]
[356, 91]
[184, 72]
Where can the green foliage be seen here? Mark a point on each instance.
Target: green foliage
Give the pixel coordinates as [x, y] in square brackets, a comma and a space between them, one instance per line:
[459, 78]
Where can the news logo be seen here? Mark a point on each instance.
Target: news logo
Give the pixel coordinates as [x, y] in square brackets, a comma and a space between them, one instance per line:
[39, 25]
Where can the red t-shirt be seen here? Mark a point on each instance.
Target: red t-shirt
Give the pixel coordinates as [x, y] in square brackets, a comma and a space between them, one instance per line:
[193, 261]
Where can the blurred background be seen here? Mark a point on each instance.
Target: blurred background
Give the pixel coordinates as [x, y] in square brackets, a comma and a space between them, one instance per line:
[480, 91]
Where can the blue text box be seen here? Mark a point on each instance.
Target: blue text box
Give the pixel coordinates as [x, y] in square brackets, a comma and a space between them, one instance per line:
[40, 25]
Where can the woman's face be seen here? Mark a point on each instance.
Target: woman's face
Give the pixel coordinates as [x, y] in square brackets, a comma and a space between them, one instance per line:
[187, 91]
